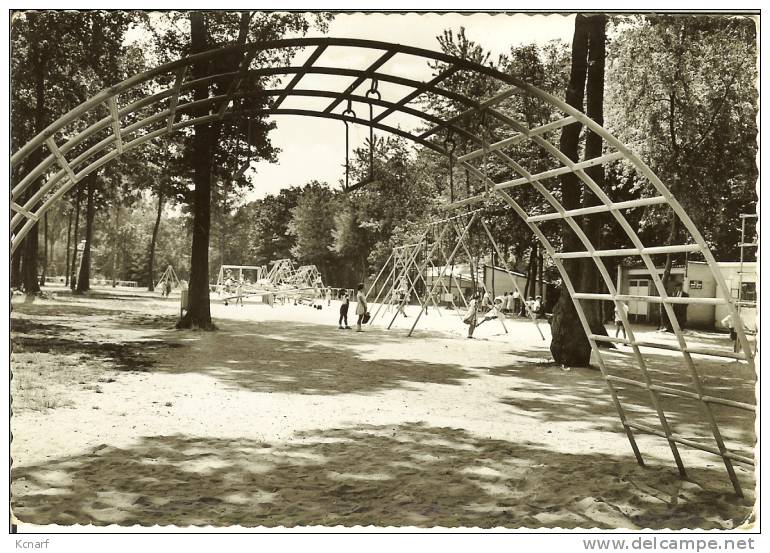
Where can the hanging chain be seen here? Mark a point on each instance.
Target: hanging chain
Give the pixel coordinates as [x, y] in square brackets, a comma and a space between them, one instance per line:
[484, 147]
[451, 146]
[348, 111]
[372, 92]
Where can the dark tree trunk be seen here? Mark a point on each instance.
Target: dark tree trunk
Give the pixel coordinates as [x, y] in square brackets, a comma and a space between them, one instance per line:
[529, 286]
[52, 236]
[151, 258]
[198, 314]
[204, 142]
[590, 278]
[73, 279]
[45, 249]
[16, 267]
[116, 247]
[673, 233]
[84, 278]
[29, 264]
[67, 252]
[569, 345]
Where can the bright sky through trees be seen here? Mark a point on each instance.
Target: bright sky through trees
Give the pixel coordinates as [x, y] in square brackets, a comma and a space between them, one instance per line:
[315, 148]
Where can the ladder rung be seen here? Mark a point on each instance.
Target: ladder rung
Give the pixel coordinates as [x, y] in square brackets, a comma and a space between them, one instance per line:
[690, 443]
[682, 393]
[520, 137]
[560, 171]
[630, 204]
[716, 353]
[630, 251]
[669, 347]
[651, 299]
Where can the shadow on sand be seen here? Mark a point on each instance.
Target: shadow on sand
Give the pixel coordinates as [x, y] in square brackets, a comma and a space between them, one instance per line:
[298, 358]
[402, 475]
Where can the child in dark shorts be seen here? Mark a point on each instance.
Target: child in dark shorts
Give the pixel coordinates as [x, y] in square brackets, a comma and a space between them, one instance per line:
[344, 312]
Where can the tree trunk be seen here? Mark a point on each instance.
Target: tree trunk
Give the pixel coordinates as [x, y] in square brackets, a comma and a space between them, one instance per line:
[45, 249]
[590, 278]
[569, 345]
[529, 286]
[84, 278]
[199, 310]
[67, 252]
[16, 267]
[29, 263]
[116, 247]
[73, 279]
[151, 259]
[52, 236]
[665, 322]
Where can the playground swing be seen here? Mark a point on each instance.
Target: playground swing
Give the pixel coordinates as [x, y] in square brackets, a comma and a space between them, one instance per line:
[401, 258]
[452, 222]
[429, 295]
[461, 232]
[400, 285]
[167, 282]
[448, 295]
[396, 281]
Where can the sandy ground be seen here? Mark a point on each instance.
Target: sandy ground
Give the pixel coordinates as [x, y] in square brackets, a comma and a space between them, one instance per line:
[281, 419]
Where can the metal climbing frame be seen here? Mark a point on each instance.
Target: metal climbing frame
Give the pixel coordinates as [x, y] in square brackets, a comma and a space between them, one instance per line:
[101, 129]
[259, 273]
[281, 272]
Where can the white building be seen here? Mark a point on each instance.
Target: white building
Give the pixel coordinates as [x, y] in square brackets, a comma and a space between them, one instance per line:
[696, 279]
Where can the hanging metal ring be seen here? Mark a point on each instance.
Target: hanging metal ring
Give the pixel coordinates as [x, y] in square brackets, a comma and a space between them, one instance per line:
[349, 110]
[373, 88]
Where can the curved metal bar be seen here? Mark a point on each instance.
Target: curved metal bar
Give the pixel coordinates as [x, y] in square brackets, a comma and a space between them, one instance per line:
[175, 90]
[112, 154]
[105, 94]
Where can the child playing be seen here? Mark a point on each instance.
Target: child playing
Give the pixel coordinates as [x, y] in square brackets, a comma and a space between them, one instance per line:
[344, 312]
[619, 320]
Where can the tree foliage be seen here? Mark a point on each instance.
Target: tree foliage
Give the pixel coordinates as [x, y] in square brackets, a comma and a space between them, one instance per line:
[681, 92]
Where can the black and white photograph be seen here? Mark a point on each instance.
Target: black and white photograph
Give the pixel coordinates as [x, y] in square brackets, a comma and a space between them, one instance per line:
[479, 271]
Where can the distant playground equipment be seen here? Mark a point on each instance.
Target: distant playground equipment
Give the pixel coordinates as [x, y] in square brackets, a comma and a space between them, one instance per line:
[426, 262]
[282, 282]
[167, 282]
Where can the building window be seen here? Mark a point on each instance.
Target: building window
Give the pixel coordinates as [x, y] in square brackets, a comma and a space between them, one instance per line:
[696, 285]
[749, 291]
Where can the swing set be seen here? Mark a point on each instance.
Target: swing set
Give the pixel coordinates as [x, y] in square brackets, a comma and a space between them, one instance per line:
[168, 277]
[426, 263]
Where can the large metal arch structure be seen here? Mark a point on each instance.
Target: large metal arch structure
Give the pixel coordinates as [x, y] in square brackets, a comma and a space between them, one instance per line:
[98, 140]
